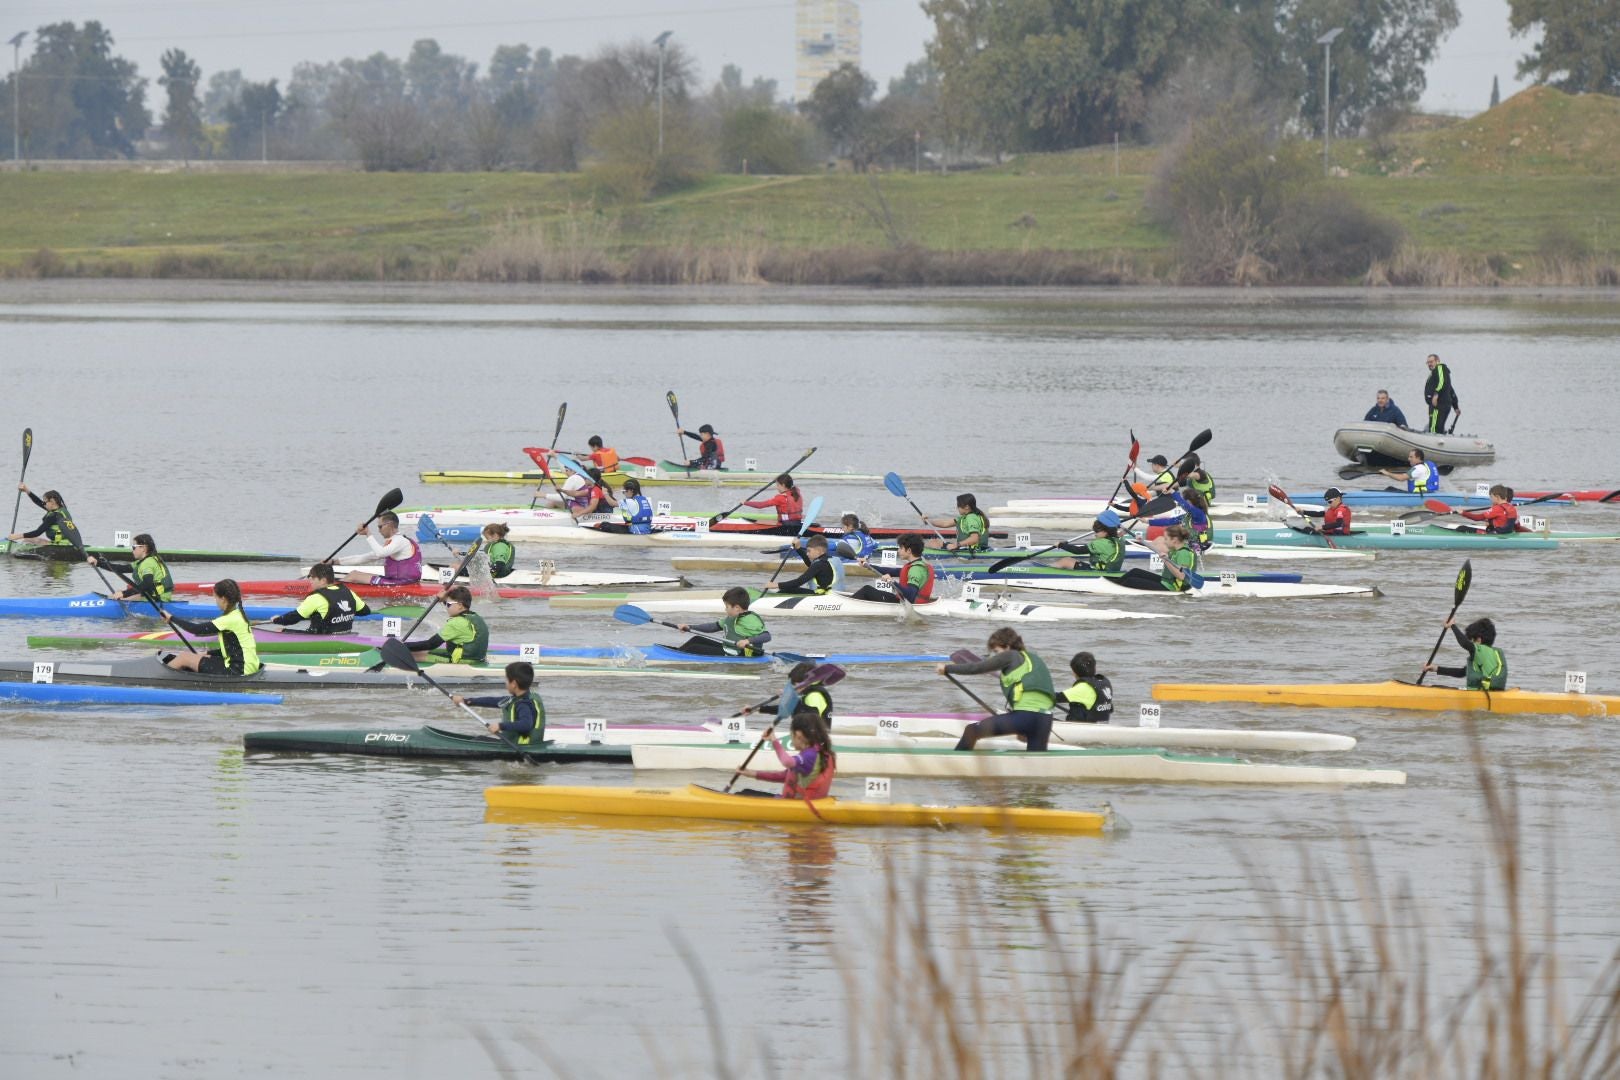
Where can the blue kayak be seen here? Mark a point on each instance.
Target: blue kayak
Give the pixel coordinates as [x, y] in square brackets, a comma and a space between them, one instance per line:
[62, 694]
[93, 606]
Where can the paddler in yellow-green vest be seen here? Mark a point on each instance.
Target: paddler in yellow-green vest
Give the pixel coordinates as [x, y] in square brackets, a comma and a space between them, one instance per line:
[1105, 551]
[53, 527]
[464, 638]
[1025, 683]
[1195, 476]
[1487, 667]
[146, 568]
[972, 525]
[1178, 559]
[744, 630]
[499, 551]
[523, 714]
[237, 654]
[814, 697]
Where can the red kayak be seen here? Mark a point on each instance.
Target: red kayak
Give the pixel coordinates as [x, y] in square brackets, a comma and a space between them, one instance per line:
[1578, 496]
[300, 587]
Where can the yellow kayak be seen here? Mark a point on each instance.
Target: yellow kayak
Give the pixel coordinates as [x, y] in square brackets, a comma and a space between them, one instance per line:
[701, 803]
[1391, 695]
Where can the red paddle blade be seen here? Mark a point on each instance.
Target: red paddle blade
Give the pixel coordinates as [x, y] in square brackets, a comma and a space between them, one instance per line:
[1437, 506]
[964, 656]
[539, 455]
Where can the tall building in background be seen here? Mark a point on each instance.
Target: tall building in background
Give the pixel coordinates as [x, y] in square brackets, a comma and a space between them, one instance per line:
[827, 33]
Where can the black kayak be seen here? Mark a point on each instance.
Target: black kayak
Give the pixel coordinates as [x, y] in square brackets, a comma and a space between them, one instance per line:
[424, 742]
[68, 553]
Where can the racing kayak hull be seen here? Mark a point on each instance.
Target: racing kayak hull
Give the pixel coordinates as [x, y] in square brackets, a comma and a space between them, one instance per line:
[66, 553]
[426, 742]
[835, 605]
[300, 587]
[1067, 733]
[1103, 763]
[1417, 538]
[1389, 444]
[432, 577]
[93, 606]
[150, 671]
[73, 694]
[1392, 695]
[1213, 587]
[696, 803]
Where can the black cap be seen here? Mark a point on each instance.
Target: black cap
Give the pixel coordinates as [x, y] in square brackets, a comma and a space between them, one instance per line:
[1332, 493]
[706, 427]
[1158, 459]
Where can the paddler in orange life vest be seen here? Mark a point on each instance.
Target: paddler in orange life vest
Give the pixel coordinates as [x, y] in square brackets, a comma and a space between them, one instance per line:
[807, 772]
[916, 575]
[402, 558]
[711, 451]
[1502, 517]
[603, 457]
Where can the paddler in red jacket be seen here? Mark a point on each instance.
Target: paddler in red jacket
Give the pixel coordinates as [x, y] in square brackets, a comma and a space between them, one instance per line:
[1336, 521]
[1503, 516]
[788, 503]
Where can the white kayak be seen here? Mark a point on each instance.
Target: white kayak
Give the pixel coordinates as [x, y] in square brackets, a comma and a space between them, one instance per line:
[545, 577]
[913, 725]
[691, 538]
[1080, 513]
[516, 517]
[1110, 763]
[836, 605]
[1213, 587]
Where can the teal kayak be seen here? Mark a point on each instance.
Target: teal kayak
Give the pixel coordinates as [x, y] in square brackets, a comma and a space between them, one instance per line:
[1416, 538]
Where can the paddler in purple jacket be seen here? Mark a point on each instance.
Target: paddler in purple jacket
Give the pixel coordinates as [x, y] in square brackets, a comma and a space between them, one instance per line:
[400, 555]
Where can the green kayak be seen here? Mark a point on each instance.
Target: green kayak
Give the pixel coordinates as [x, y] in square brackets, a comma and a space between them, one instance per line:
[66, 553]
[424, 742]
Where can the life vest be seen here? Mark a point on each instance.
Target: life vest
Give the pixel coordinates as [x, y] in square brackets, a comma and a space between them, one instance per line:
[1202, 535]
[470, 647]
[509, 716]
[1101, 709]
[236, 644]
[1502, 518]
[790, 510]
[813, 786]
[1185, 558]
[1107, 553]
[925, 592]
[816, 697]
[1336, 521]
[1028, 687]
[57, 531]
[860, 544]
[711, 453]
[1204, 487]
[822, 588]
[1487, 668]
[606, 459]
[1426, 482]
[336, 605]
[746, 625]
[502, 558]
[1166, 480]
[404, 571]
[154, 568]
[970, 523]
[637, 512]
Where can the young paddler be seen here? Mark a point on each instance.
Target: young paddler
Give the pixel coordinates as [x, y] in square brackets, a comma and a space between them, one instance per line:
[593, 498]
[498, 550]
[788, 502]
[1091, 699]
[807, 772]
[602, 456]
[814, 697]
[856, 541]
[635, 511]
[1487, 667]
[464, 638]
[744, 630]
[711, 451]
[401, 556]
[1025, 682]
[146, 567]
[916, 575]
[523, 714]
[1105, 551]
[1178, 559]
[818, 576]
[1336, 519]
[1194, 517]
[1503, 515]
[1194, 475]
[331, 606]
[53, 527]
[237, 654]
[972, 525]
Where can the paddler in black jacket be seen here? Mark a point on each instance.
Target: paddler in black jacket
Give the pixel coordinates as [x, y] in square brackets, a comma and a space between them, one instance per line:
[331, 606]
[53, 528]
[818, 576]
[1441, 395]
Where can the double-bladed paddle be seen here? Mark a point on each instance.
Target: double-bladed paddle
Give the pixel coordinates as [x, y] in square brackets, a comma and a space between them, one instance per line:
[1148, 509]
[72, 532]
[16, 506]
[1465, 577]
[396, 654]
[968, 656]
[545, 467]
[635, 616]
[388, 502]
[1279, 495]
[675, 411]
[897, 487]
[718, 518]
[825, 674]
[1434, 508]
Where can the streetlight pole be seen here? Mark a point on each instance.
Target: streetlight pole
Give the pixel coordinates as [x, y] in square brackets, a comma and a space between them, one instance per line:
[16, 95]
[661, 41]
[1326, 41]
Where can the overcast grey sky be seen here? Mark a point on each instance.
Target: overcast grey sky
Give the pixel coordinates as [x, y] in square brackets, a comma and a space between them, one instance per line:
[266, 37]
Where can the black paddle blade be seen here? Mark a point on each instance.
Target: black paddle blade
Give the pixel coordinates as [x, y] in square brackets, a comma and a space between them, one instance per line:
[1465, 578]
[392, 499]
[825, 674]
[395, 654]
[1156, 506]
[71, 531]
[562, 411]
[28, 446]
[964, 656]
[1200, 441]
[674, 405]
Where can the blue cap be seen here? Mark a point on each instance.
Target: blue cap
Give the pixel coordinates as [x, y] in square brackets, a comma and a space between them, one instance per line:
[1108, 518]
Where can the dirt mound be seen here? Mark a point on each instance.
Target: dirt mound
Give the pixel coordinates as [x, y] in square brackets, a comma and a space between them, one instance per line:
[1539, 130]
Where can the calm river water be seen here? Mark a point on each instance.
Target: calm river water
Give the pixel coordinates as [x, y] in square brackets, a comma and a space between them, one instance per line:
[169, 909]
